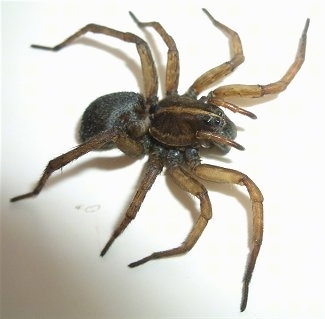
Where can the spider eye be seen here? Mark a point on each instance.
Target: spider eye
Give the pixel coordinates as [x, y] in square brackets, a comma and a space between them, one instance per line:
[213, 121]
[219, 113]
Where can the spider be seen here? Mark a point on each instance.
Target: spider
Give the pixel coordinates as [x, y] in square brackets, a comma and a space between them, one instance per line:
[171, 131]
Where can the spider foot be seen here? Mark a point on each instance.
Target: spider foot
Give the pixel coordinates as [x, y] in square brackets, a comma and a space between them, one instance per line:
[161, 254]
[24, 196]
[244, 296]
[43, 47]
[106, 247]
[142, 261]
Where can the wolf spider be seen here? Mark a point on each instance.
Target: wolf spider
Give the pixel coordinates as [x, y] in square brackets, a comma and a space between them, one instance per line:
[171, 131]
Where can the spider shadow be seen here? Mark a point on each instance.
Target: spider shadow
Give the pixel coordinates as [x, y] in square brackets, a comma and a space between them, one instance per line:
[130, 63]
[119, 162]
[161, 68]
[190, 203]
[136, 70]
[186, 200]
[104, 164]
[100, 163]
[248, 102]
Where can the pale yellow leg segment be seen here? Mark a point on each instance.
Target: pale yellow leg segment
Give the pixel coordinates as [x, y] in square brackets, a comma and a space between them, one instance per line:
[149, 72]
[217, 73]
[254, 91]
[172, 68]
[225, 175]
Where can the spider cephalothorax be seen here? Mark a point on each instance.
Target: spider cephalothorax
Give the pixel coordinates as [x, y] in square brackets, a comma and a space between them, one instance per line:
[172, 131]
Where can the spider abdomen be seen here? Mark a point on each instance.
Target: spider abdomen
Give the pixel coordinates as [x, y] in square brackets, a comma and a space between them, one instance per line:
[122, 111]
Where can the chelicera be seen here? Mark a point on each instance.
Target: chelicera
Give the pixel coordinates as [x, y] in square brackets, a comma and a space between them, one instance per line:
[172, 131]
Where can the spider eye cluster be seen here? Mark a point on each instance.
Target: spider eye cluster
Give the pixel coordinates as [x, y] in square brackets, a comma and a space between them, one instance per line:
[215, 120]
[211, 121]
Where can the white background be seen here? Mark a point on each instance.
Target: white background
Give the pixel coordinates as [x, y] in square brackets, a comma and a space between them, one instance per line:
[50, 245]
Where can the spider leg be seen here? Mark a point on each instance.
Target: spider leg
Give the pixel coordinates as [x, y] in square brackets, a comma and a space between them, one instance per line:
[172, 68]
[188, 183]
[255, 91]
[217, 73]
[225, 175]
[149, 71]
[154, 168]
[203, 135]
[232, 107]
[62, 160]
